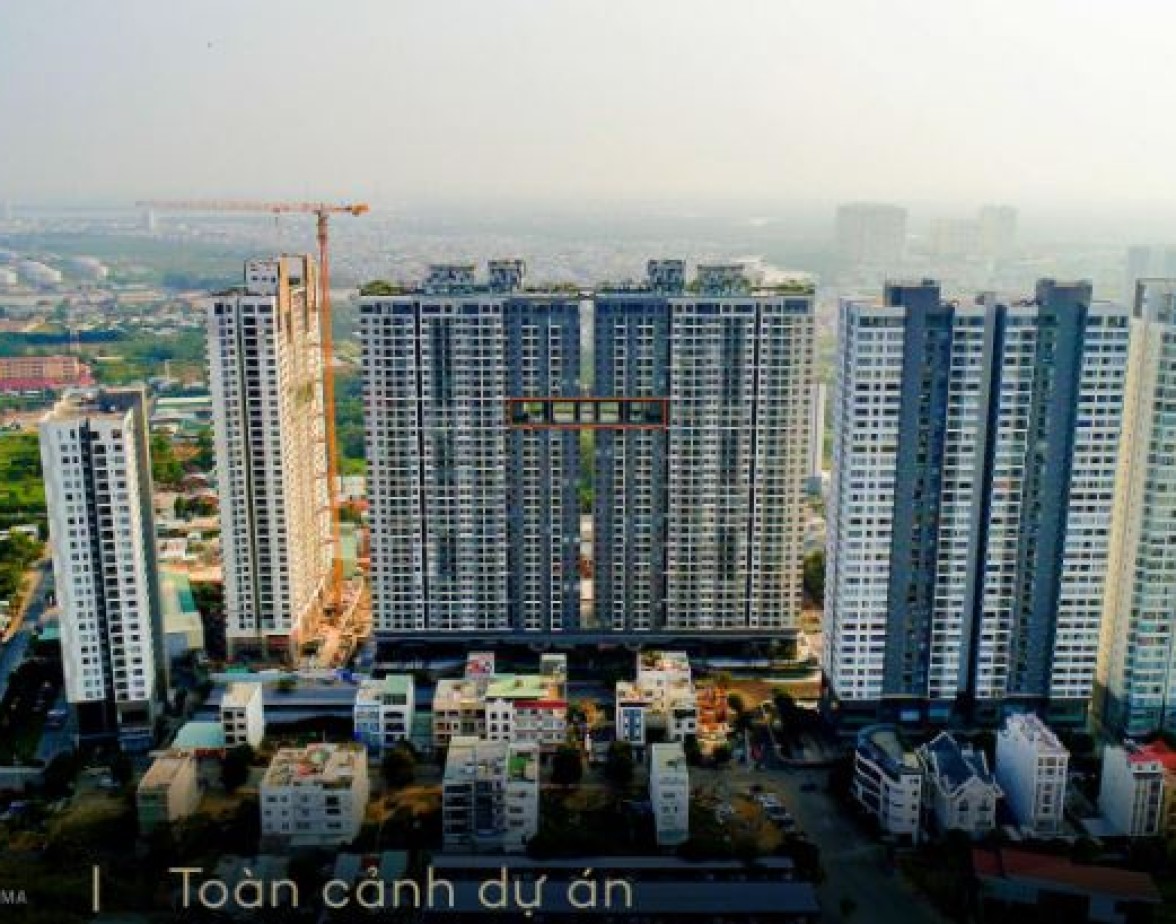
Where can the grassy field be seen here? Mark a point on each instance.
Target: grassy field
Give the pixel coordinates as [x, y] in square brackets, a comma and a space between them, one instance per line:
[22, 493]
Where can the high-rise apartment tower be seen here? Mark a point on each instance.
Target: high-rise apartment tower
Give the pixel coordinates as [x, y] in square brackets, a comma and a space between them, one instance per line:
[698, 418]
[265, 359]
[1137, 667]
[974, 458]
[95, 454]
[475, 522]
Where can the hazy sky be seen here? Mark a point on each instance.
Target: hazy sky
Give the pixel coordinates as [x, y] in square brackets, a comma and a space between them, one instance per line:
[1028, 101]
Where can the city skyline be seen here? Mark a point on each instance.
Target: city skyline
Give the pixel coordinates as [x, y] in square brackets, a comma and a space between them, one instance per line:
[662, 462]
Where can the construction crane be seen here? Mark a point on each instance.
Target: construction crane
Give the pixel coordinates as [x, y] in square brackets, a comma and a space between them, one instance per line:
[322, 212]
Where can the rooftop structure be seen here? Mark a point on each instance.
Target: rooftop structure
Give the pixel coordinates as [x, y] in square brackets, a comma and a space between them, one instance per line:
[329, 765]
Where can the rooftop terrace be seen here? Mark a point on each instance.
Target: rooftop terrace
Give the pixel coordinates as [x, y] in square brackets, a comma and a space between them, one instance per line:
[316, 764]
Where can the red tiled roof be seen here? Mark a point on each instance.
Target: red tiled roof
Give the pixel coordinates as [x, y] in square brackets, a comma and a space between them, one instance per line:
[1047, 870]
[1159, 751]
[541, 704]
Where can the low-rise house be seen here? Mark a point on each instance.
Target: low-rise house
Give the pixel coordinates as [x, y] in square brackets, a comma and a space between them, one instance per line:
[526, 708]
[169, 790]
[1160, 752]
[1031, 767]
[242, 714]
[457, 711]
[961, 791]
[1063, 890]
[664, 675]
[669, 792]
[384, 711]
[632, 710]
[315, 796]
[489, 795]
[888, 781]
[1131, 792]
[662, 697]
[182, 625]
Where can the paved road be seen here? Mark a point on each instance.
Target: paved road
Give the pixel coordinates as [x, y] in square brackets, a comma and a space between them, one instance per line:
[13, 653]
[56, 741]
[855, 865]
[11, 656]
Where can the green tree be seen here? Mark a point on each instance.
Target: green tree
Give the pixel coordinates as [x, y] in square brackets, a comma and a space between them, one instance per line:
[567, 767]
[619, 765]
[398, 767]
[814, 576]
[165, 467]
[235, 767]
[205, 456]
[692, 750]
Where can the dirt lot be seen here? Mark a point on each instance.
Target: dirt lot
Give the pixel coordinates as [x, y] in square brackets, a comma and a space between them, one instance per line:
[754, 692]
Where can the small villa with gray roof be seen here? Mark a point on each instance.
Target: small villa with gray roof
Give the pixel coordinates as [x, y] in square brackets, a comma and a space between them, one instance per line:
[961, 791]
